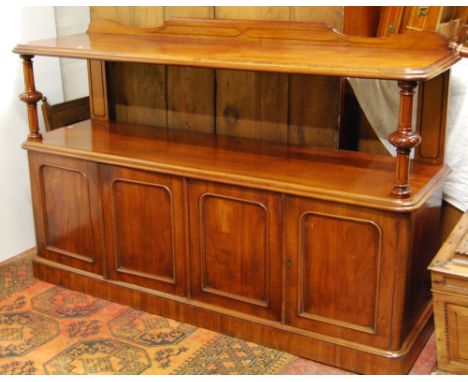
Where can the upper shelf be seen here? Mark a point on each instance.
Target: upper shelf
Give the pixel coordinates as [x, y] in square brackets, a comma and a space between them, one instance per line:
[273, 46]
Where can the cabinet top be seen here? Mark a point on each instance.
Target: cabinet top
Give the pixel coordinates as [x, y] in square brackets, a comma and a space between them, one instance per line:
[268, 46]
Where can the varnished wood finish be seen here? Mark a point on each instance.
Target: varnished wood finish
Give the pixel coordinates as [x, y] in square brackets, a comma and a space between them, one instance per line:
[65, 113]
[432, 119]
[347, 355]
[298, 248]
[240, 272]
[449, 271]
[31, 97]
[404, 139]
[351, 177]
[307, 48]
[235, 246]
[67, 211]
[144, 226]
[99, 103]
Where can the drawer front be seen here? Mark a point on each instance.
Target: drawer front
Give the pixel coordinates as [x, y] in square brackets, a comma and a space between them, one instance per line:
[235, 248]
[144, 228]
[67, 211]
[340, 274]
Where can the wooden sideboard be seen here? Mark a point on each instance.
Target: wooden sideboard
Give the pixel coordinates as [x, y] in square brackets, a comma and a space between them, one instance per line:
[318, 252]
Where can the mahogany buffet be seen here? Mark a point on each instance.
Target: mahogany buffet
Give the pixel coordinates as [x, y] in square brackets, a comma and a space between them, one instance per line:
[318, 252]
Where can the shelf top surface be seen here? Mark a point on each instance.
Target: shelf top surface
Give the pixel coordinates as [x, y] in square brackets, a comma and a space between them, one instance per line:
[338, 175]
[283, 47]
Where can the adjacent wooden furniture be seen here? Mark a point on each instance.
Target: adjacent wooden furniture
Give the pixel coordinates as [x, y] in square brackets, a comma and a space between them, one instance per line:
[65, 113]
[319, 252]
[449, 271]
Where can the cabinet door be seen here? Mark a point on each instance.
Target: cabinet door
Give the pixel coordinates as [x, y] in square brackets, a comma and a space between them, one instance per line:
[67, 211]
[235, 248]
[144, 228]
[341, 269]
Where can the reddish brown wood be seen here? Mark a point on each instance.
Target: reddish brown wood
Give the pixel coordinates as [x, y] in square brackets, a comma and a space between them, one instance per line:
[432, 119]
[298, 248]
[67, 211]
[65, 113]
[99, 103]
[271, 46]
[346, 355]
[144, 227]
[350, 177]
[31, 97]
[404, 139]
[235, 247]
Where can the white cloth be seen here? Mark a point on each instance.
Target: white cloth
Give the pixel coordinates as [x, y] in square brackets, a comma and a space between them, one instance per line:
[379, 101]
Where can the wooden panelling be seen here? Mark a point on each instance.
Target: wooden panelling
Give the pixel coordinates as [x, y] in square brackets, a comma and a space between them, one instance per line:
[67, 214]
[67, 211]
[352, 300]
[235, 247]
[190, 91]
[247, 98]
[323, 243]
[190, 94]
[145, 228]
[449, 273]
[98, 89]
[314, 101]
[65, 113]
[361, 21]
[346, 355]
[252, 105]
[252, 13]
[457, 317]
[314, 109]
[137, 93]
[432, 119]
[134, 16]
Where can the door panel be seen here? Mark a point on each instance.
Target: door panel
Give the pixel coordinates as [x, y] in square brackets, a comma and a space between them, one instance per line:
[341, 272]
[67, 211]
[144, 224]
[235, 248]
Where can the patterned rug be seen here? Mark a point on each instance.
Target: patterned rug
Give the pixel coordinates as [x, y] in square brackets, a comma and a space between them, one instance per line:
[45, 329]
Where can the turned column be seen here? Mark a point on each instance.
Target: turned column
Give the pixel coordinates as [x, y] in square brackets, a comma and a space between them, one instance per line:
[404, 139]
[31, 97]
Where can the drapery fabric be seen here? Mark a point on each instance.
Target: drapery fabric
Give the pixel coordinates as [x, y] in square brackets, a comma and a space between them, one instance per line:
[379, 101]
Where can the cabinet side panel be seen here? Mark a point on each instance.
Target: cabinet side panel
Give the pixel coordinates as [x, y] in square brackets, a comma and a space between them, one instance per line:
[425, 241]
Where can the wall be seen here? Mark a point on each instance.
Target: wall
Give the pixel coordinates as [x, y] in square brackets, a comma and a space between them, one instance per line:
[73, 20]
[20, 25]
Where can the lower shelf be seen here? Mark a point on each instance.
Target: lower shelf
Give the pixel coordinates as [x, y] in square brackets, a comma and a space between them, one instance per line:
[345, 176]
[332, 351]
